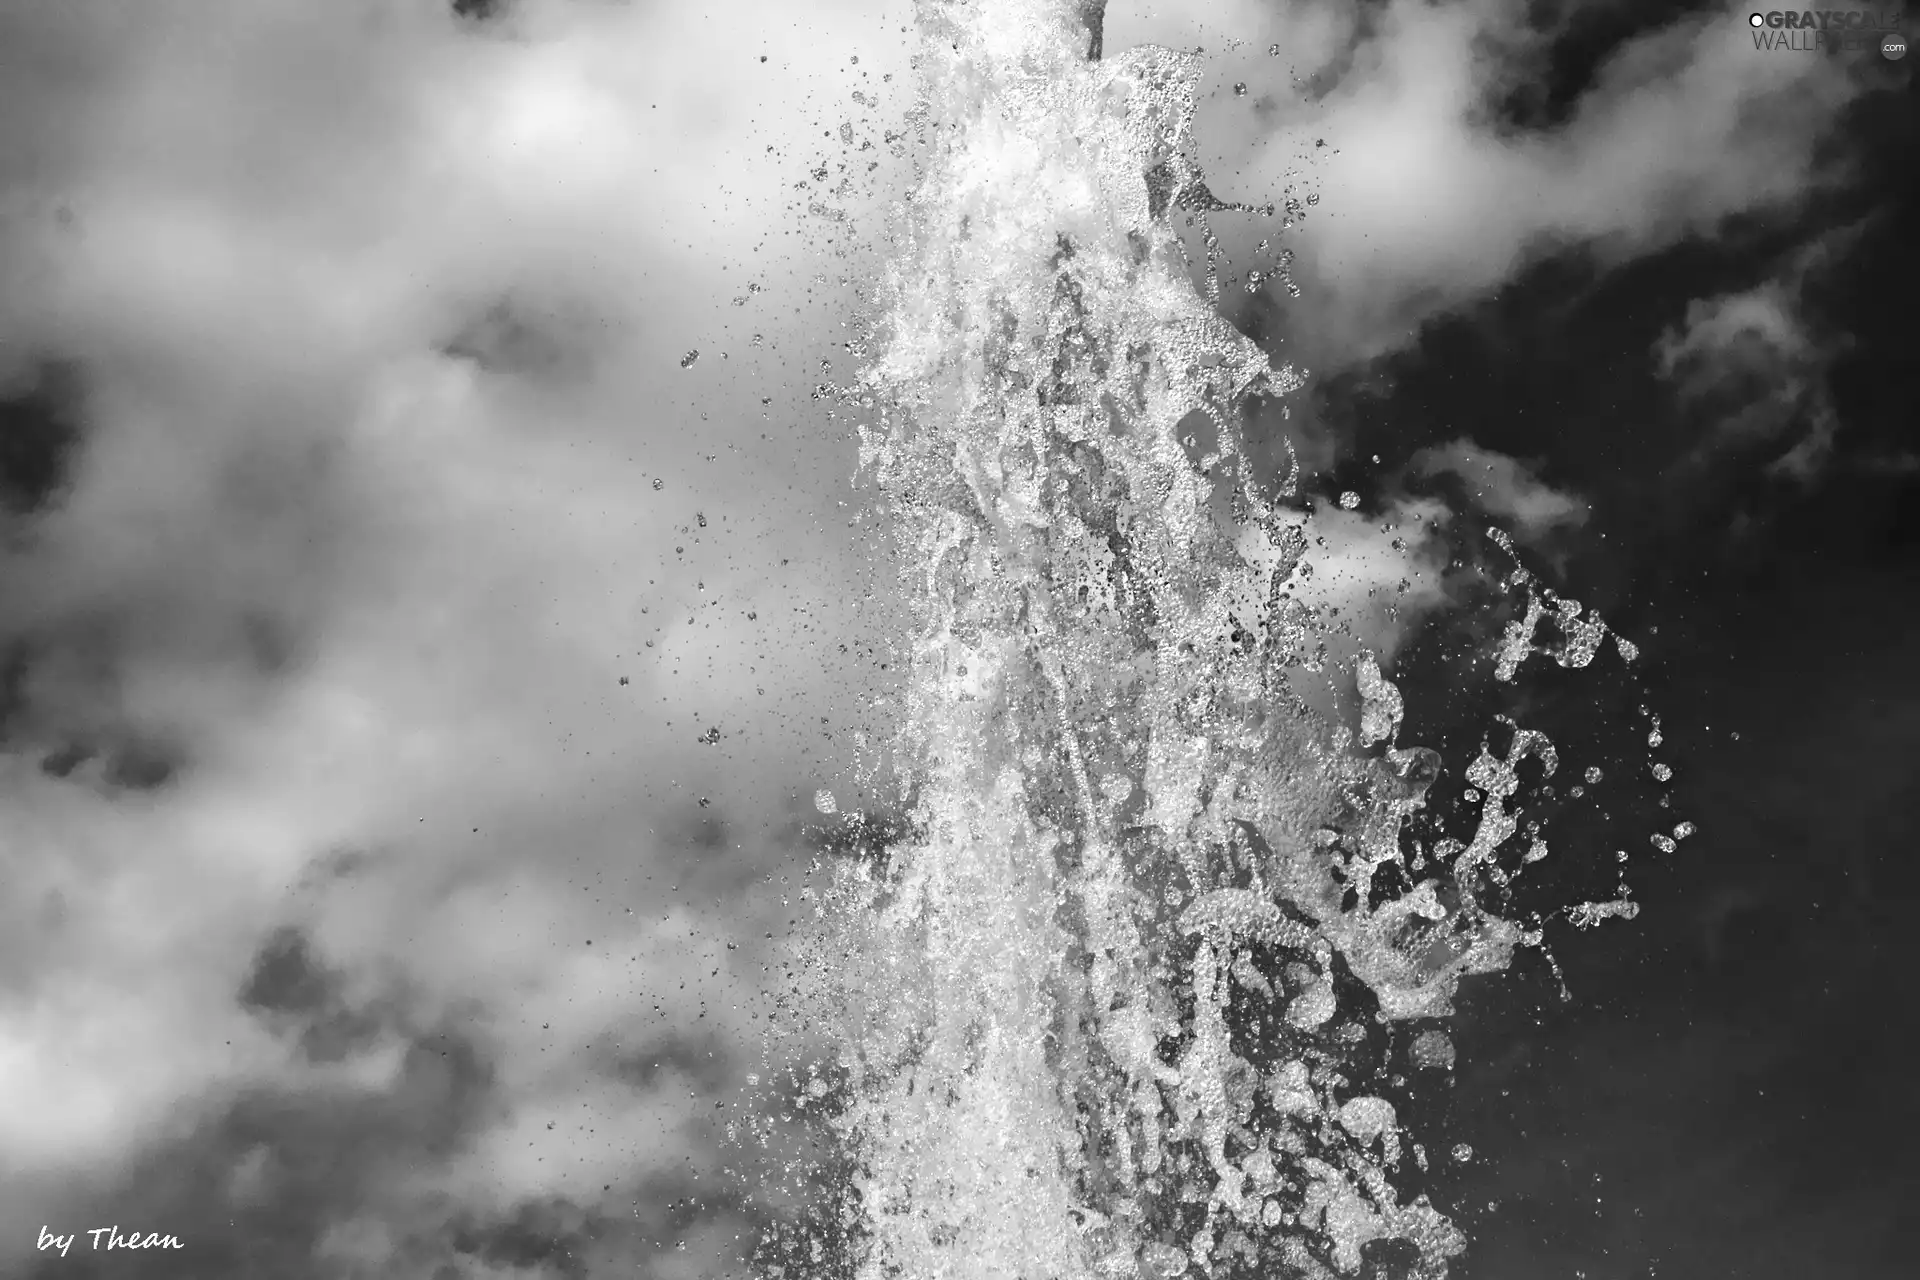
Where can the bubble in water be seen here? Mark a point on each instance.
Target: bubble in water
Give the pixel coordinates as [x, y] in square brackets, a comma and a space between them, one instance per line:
[686, 361]
[1162, 1261]
[1433, 1051]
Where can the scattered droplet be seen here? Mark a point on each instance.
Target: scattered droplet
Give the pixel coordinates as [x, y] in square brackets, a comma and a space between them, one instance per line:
[1433, 1051]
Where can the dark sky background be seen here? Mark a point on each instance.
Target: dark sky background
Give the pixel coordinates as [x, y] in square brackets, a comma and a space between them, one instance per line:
[378, 904]
[1729, 1091]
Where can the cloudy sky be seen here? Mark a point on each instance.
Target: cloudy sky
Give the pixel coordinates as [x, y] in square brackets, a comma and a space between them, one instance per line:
[431, 594]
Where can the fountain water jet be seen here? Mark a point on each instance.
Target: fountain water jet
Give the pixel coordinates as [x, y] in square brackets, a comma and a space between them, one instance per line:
[1090, 1001]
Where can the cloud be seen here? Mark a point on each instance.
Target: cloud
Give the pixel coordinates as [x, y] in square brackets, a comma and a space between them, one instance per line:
[1430, 197]
[1504, 488]
[370, 571]
[1753, 367]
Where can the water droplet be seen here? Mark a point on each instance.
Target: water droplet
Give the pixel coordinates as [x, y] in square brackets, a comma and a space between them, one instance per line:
[1162, 1261]
[1433, 1051]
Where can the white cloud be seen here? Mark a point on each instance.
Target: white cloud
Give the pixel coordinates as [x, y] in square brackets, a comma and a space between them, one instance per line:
[369, 596]
[1428, 203]
[1504, 488]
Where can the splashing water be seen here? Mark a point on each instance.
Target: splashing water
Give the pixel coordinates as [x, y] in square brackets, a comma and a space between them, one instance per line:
[1099, 997]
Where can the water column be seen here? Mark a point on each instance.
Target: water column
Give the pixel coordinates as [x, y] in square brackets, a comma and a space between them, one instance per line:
[1120, 812]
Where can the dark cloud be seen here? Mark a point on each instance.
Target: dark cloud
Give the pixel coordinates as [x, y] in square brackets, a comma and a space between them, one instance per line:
[1752, 368]
[42, 412]
[479, 10]
[278, 1180]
